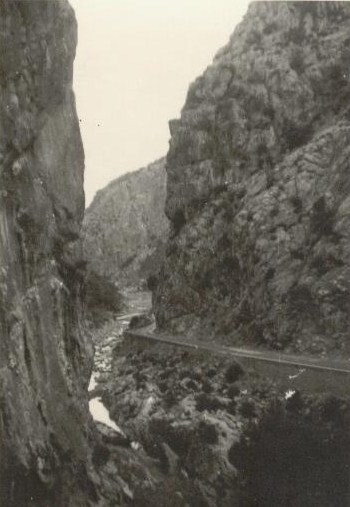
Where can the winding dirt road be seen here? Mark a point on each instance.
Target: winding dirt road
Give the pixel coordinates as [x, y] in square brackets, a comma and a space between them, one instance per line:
[297, 372]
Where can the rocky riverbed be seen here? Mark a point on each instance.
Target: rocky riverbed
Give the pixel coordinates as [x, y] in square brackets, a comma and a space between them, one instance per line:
[107, 336]
[200, 421]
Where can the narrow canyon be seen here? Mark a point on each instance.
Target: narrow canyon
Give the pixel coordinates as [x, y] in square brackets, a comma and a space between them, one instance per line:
[184, 341]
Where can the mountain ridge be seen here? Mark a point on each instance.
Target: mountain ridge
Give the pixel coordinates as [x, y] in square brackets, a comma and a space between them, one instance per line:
[125, 226]
[257, 186]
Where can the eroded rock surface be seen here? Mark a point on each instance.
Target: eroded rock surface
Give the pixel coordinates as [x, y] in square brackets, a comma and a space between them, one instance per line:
[45, 357]
[125, 227]
[258, 186]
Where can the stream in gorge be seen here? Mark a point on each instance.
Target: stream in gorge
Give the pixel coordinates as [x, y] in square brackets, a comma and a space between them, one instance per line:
[105, 339]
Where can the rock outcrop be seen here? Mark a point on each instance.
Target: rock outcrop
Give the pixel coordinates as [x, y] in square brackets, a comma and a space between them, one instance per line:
[125, 227]
[258, 186]
[45, 357]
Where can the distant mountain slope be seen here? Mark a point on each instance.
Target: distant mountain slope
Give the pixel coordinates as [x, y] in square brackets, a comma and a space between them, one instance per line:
[125, 227]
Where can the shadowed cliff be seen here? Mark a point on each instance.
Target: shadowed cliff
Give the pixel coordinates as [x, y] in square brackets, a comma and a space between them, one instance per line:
[45, 358]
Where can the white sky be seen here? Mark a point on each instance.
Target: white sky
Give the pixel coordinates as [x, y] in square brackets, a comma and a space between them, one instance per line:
[135, 61]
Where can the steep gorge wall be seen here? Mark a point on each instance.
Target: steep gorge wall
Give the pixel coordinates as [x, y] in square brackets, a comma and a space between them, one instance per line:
[125, 228]
[45, 358]
[258, 186]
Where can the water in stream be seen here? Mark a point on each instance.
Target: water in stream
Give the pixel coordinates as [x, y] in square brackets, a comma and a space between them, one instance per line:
[136, 302]
[101, 414]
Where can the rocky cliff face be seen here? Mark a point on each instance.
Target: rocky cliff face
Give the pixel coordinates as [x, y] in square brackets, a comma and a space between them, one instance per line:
[125, 227]
[45, 358]
[258, 186]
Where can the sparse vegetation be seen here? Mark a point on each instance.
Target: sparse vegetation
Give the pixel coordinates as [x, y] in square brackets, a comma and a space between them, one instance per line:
[179, 221]
[102, 297]
[152, 282]
[295, 35]
[207, 432]
[301, 299]
[247, 409]
[270, 28]
[297, 62]
[332, 87]
[233, 372]
[322, 218]
[295, 135]
[296, 203]
[207, 402]
[254, 38]
[298, 457]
